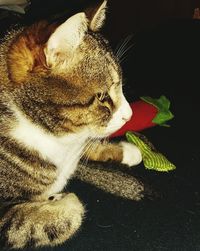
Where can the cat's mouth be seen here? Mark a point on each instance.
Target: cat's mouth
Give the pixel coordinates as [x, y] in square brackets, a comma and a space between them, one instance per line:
[115, 124]
[110, 129]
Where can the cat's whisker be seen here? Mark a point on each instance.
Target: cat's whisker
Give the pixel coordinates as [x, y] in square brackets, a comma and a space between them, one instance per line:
[86, 148]
[123, 59]
[118, 52]
[121, 47]
[87, 151]
[125, 51]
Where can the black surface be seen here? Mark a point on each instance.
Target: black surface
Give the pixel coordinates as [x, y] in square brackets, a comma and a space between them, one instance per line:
[165, 60]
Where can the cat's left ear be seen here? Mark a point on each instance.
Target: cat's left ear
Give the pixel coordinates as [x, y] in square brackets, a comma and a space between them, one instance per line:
[97, 15]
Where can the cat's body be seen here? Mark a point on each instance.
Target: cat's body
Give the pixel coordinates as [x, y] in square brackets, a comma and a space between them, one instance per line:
[60, 90]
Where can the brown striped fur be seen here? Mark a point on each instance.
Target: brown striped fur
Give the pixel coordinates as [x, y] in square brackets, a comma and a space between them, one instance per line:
[55, 95]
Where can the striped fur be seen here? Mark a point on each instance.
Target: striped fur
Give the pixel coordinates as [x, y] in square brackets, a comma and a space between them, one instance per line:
[57, 96]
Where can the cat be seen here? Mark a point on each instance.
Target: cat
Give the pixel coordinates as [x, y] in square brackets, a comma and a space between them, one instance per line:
[61, 90]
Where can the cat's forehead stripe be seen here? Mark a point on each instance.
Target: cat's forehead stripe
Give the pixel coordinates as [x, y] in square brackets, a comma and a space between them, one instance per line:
[113, 70]
[114, 74]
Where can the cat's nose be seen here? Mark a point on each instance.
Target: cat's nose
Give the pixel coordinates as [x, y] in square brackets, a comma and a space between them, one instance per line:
[127, 111]
[128, 115]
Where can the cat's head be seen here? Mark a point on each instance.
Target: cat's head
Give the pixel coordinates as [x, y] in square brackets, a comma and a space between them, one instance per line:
[68, 77]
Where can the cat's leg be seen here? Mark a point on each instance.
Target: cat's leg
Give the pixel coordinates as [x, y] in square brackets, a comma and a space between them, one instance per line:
[109, 180]
[123, 152]
[41, 223]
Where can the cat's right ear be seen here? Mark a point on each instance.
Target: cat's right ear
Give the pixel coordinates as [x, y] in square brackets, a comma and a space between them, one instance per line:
[97, 15]
[65, 39]
[69, 35]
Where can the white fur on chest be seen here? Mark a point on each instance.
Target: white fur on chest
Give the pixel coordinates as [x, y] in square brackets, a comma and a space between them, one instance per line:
[64, 152]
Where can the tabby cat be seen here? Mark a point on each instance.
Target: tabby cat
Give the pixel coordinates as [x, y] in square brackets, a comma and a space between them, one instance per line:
[61, 89]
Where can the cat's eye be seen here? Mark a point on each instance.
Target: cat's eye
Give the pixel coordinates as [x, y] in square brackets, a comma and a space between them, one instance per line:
[101, 96]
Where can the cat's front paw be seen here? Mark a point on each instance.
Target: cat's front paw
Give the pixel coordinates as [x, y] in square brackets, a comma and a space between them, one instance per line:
[131, 154]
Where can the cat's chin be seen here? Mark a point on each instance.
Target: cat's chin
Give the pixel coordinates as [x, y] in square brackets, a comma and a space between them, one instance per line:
[103, 132]
[107, 133]
[100, 135]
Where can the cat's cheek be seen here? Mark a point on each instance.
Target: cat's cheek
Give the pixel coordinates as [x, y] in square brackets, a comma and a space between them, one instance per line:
[120, 117]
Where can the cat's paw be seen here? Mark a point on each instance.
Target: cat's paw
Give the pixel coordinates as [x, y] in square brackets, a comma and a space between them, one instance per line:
[73, 203]
[131, 154]
[73, 209]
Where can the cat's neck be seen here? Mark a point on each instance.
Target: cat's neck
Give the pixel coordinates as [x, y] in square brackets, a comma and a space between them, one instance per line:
[64, 152]
[55, 149]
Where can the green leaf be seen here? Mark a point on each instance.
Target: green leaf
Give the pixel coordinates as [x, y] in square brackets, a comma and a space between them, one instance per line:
[162, 117]
[162, 104]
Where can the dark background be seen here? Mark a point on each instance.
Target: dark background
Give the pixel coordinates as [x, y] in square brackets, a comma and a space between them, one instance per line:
[164, 60]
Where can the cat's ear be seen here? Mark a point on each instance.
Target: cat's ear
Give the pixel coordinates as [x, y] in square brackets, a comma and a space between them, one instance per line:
[65, 39]
[97, 15]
